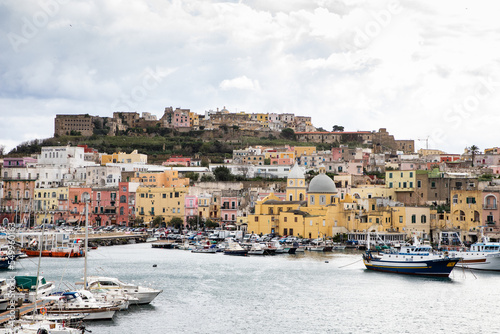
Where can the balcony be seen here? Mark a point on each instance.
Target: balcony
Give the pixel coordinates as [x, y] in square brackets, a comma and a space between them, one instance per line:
[490, 206]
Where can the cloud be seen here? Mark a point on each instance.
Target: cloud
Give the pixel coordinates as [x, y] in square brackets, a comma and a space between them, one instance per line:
[239, 83]
[401, 65]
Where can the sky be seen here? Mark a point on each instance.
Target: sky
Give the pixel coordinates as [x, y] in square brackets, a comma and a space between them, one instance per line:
[424, 70]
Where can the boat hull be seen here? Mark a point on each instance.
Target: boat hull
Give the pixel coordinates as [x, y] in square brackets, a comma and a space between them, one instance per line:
[243, 252]
[479, 261]
[435, 268]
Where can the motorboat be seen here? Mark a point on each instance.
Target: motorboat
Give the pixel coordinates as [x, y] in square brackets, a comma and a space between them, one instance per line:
[256, 249]
[82, 301]
[411, 260]
[37, 326]
[210, 249]
[140, 294]
[234, 248]
[29, 290]
[483, 255]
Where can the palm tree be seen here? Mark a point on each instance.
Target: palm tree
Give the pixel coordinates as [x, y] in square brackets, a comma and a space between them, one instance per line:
[473, 150]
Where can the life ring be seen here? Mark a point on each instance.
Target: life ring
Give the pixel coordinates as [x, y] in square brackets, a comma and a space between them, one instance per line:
[43, 311]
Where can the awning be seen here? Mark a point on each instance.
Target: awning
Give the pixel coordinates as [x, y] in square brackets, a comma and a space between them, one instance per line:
[72, 220]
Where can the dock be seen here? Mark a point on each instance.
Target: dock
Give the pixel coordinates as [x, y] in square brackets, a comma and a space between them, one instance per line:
[23, 310]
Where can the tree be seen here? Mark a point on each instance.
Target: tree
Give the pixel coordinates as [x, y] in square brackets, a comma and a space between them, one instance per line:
[157, 221]
[473, 150]
[223, 173]
[207, 178]
[320, 129]
[205, 162]
[338, 128]
[288, 133]
[210, 223]
[192, 176]
[176, 222]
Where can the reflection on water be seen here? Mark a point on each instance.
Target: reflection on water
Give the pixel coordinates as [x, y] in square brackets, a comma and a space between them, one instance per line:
[312, 292]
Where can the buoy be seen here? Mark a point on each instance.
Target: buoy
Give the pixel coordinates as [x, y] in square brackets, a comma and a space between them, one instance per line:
[154, 265]
[326, 261]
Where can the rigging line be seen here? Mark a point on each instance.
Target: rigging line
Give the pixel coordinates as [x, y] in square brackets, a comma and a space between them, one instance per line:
[350, 263]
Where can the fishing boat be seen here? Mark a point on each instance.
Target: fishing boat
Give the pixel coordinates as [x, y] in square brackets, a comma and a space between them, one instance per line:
[410, 260]
[71, 250]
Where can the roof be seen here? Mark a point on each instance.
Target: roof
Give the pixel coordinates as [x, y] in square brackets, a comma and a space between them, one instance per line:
[322, 183]
[296, 172]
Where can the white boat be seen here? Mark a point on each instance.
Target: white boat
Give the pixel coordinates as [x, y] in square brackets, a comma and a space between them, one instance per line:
[256, 249]
[210, 249]
[27, 326]
[81, 302]
[141, 294]
[28, 289]
[482, 255]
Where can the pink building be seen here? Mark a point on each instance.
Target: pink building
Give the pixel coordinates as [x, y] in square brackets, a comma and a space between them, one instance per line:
[104, 205]
[337, 153]
[228, 210]
[76, 205]
[18, 162]
[126, 205]
[491, 214]
[190, 207]
[282, 161]
[177, 160]
[181, 118]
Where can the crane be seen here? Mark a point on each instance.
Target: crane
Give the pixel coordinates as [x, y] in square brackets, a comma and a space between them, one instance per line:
[426, 142]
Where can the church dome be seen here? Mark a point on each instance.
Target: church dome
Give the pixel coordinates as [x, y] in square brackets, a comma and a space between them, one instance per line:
[321, 183]
[296, 172]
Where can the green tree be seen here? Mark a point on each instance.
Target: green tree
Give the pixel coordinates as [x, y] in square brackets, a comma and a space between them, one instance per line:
[207, 178]
[176, 222]
[210, 223]
[288, 133]
[473, 151]
[338, 128]
[205, 162]
[223, 173]
[192, 176]
[157, 221]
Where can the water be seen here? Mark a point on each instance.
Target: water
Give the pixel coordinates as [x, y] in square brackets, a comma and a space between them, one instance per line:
[310, 293]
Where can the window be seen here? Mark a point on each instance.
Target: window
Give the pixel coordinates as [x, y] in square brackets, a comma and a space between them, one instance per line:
[413, 219]
[433, 185]
[285, 231]
[312, 199]
[401, 219]
[423, 219]
[470, 200]
[390, 175]
[411, 173]
[390, 184]
[419, 184]
[123, 199]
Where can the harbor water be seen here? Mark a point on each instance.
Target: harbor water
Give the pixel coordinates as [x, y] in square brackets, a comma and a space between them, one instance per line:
[304, 293]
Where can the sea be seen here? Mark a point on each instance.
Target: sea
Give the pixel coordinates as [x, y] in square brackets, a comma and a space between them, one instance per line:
[304, 293]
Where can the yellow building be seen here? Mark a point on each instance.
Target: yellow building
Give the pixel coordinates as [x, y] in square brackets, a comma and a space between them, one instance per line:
[304, 150]
[167, 178]
[122, 157]
[400, 180]
[194, 120]
[50, 204]
[296, 184]
[166, 202]
[204, 206]
[371, 191]
[465, 212]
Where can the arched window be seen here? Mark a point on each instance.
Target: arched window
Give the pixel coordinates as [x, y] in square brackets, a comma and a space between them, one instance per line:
[123, 199]
[122, 211]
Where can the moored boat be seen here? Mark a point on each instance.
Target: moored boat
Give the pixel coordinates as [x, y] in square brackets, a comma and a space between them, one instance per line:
[234, 248]
[411, 260]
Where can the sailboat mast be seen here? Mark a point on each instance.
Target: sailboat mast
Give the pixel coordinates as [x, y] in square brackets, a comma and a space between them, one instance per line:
[86, 243]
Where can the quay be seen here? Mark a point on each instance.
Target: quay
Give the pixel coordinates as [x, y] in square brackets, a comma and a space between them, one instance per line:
[23, 310]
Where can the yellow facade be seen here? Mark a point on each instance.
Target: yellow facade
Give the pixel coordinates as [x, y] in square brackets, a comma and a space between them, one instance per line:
[465, 211]
[400, 180]
[371, 191]
[166, 202]
[304, 150]
[167, 178]
[194, 119]
[204, 206]
[122, 157]
[47, 204]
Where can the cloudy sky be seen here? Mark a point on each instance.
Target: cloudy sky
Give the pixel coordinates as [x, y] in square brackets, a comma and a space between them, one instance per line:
[423, 70]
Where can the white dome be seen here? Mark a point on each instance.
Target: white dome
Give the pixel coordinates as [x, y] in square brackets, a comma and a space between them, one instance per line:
[296, 172]
[321, 183]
